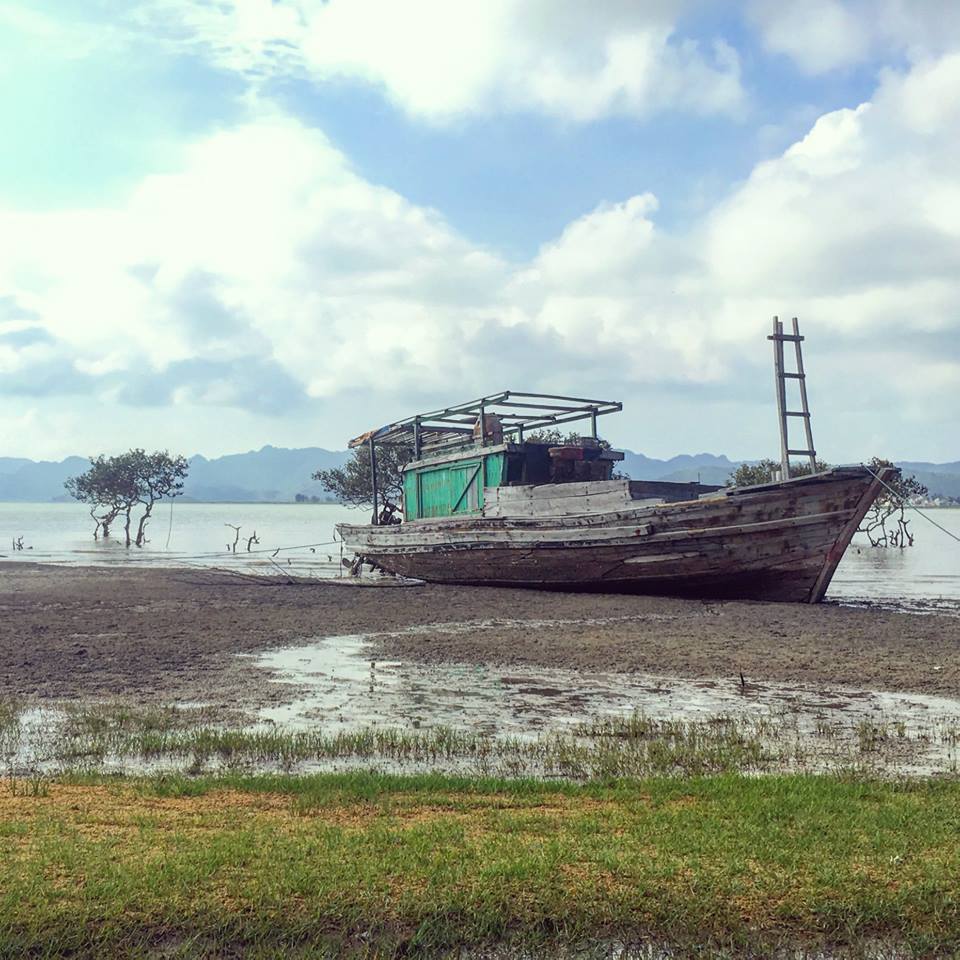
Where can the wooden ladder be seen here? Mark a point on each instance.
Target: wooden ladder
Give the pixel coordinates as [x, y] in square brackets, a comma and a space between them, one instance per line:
[782, 376]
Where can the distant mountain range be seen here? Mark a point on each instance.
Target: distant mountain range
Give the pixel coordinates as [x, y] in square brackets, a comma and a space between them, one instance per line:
[277, 474]
[271, 474]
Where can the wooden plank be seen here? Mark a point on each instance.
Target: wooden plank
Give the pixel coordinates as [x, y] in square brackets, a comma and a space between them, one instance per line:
[468, 453]
[573, 561]
[561, 507]
[836, 552]
[781, 397]
[666, 518]
[550, 491]
[669, 490]
[837, 473]
[708, 514]
[530, 538]
[526, 539]
[593, 569]
[525, 521]
[662, 557]
[804, 405]
[467, 486]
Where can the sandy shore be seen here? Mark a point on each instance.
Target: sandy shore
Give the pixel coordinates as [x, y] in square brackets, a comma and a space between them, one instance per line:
[171, 635]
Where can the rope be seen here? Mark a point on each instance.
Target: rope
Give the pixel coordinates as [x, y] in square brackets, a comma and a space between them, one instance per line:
[155, 558]
[903, 501]
[170, 525]
[246, 553]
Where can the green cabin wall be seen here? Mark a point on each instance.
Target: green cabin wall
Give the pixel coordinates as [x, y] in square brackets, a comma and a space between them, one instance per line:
[450, 489]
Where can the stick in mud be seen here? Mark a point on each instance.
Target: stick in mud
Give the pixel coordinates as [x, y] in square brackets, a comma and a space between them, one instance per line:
[232, 547]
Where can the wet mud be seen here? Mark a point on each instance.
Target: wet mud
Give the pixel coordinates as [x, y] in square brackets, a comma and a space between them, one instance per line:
[172, 635]
[338, 684]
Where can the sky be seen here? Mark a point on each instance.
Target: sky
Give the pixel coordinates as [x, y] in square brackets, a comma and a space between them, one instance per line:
[228, 223]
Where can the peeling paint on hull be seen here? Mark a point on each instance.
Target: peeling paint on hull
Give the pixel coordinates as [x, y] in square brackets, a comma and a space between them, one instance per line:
[778, 541]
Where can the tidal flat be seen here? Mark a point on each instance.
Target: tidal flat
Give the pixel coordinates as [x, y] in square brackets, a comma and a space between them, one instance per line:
[172, 635]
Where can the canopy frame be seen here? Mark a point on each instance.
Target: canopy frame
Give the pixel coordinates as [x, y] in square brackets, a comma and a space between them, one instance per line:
[518, 412]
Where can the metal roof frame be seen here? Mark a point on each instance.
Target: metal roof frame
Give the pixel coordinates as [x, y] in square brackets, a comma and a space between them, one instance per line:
[519, 412]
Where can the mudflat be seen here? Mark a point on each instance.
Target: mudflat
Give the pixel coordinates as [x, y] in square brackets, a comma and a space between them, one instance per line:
[172, 635]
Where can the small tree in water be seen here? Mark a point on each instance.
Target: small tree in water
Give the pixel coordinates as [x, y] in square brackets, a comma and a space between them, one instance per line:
[889, 505]
[106, 489]
[114, 487]
[890, 508]
[353, 482]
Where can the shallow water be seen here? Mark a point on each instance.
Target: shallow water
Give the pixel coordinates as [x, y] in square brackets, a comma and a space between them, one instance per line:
[921, 578]
[338, 682]
[195, 534]
[299, 538]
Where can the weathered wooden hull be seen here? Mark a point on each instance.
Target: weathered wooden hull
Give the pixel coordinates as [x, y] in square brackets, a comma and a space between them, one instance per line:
[779, 541]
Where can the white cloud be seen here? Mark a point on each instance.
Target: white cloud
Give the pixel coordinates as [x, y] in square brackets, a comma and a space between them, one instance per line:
[50, 36]
[863, 202]
[440, 60]
[823, 35]
[267, 279]
[819, 35]
[266, 245]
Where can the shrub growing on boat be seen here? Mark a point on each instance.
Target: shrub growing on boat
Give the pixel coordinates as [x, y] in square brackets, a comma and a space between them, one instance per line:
[114, 487]
[763, 471]
[558, 438]
[885, 524]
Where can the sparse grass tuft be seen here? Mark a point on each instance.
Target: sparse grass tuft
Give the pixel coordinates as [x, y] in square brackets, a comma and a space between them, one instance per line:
[104, 737]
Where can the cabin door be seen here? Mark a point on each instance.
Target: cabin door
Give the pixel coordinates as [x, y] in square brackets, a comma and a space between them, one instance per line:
[448, 490]
[466, 483]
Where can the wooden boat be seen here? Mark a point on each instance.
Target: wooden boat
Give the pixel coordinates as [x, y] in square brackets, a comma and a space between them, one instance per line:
[779, 541]
[487, 503]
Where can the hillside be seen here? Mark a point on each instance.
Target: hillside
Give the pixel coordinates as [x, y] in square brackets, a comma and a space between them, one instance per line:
[279, 474]
[701, 467]
[941, 479]
[267, 474]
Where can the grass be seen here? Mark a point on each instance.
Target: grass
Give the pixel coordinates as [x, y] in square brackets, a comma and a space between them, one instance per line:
[377, 865]
[624, 829]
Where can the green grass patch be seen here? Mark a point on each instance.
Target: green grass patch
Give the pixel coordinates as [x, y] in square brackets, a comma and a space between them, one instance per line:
[372, 864]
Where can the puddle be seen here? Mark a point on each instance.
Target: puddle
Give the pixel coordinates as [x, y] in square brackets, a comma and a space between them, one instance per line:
[338, 682]
[924, 606]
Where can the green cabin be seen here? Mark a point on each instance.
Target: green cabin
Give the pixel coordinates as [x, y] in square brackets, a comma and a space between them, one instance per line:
[458, 451]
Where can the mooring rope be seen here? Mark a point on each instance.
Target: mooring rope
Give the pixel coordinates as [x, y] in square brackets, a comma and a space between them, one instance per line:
[246, 553]
[904, 502]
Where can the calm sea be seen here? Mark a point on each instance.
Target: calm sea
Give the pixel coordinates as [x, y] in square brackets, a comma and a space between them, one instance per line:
[298, 537]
